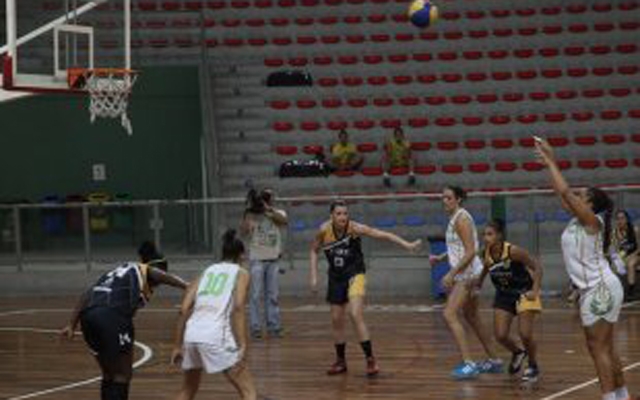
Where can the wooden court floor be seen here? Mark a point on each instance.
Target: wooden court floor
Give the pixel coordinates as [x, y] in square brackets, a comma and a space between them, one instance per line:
[413, 346]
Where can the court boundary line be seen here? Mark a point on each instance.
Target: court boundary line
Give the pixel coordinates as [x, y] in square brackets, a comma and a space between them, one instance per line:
[147, 354]
[585, 384]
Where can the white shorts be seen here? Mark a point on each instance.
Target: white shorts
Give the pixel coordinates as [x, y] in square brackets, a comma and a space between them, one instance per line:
[474, 270]
[212, 359]
[594, 305]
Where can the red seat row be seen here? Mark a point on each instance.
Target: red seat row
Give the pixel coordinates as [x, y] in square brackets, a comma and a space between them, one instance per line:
[446, 56]
[435, 100]
[474, 144]
[172, 5]
[419, 122]
[549, 73]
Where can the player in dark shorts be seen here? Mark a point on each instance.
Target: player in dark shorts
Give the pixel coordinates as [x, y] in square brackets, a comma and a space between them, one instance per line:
[106, 310]
[517, 278]
[340, 239]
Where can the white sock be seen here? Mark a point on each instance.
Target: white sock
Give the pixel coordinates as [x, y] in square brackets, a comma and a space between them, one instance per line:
[622, 393]
[609, 396]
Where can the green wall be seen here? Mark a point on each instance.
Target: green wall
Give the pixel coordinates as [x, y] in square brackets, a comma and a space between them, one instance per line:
[48, 145]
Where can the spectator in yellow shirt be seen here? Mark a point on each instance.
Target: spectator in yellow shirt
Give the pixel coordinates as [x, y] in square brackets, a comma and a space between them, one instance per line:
[344, 155]
[397, 154]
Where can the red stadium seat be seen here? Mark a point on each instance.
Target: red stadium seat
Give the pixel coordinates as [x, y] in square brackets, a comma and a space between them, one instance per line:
[377, 80]
[337, 125]
[402, 79]
[502, 32]
[532, 166]
[461, 99]
[309, 126]
[478, 34]
[552, 10]
[634, 113]
[447, 55]
[355, 39]
[240, 4]
[372, 171]
[451, 77]
[585, 140]
[422, 57]
[398, 58]
[487, 98]
[377, 18]
[523, 53]
[327, 82]
[566, 94]
[610, 114]
[424, 169]
[479, 168]
[527, 142]
[502, 143]
[331, 103]
[629, 25]
[391, 123]
[601, 7]
[498, 54]
[500, 119]
[282, 126]
[308, 103]
[171, 6]
[429, 35]
[627, 48]
[262, 42]
[582, 116]
[472, 120]
[513, 97]
[420, 146]
[578, 28]
[472, 55]
[306, 40]
[364, 124]
[613, 139]
[357, 103]
[398, 171]
[418, 122]
[450, 15]
[452, 169]
[635, 138]
[329, 20]
[344, 173]
[427, 78]
[367, 147]
[309, 3]
[404, 37]
[476, 76]
[500, 13]
[593, 93]
[263, 3]
[304, 21]
[539, 96]
[506, 166]
[313, 149]
[447, 146]
[347, 60]
[475, 14]
[280, 104]
[616, 163]
[352, 19]
[551, 73]
[286, 150]
[527, 118]
[372, 59]
[159, 43]
[216, 5]
[435, 100]
[474, 144]
[352, 81]
[549, 52]
[605, 27]
[552, 29]
[576, 8]
[628, 5]
[286, 3]
[453, 35]
[330, 39]
[558, 141]
[527, 31]
[409, 101]
[555, 117]
[588, 164]
[577, 72]
[526, 12]
[501, 75]
[564, 164]
[620, 92]
[602, 71]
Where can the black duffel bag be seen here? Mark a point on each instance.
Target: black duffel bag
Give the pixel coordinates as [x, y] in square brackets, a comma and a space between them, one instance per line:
[290, 78]
[304, 168]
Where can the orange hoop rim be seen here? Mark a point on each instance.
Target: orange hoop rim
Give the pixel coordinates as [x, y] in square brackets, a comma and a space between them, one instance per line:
[103, 72]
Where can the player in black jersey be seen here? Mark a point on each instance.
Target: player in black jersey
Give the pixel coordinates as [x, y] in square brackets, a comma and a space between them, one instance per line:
[106, 310]
[340, 239]
[517, 278]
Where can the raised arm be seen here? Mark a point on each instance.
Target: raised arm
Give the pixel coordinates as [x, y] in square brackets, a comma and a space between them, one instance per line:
[313, 260]
[365, 230]
[161, 277]
[569, 200]
[238, 320]
[279, 217]
[186, 308]
[533, 267]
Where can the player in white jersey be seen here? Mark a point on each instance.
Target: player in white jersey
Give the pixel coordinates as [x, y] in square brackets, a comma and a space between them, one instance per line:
[585, 244]
[211, 333]
[462, 249]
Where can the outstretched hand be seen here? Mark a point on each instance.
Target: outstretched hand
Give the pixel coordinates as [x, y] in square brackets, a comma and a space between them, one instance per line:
[67, 332]
[544, 151]
[415, 246]
[177, 356]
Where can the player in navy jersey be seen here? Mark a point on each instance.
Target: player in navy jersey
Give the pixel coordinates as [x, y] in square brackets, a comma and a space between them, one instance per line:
[106, 310]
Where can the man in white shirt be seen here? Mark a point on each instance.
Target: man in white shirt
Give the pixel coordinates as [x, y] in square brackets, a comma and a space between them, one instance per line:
[262, 227]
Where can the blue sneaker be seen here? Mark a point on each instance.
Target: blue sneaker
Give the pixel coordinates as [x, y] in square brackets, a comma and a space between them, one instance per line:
[465, 370]
[491, 367]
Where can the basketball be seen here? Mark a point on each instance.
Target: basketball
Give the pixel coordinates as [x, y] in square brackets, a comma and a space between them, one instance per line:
[422, 13]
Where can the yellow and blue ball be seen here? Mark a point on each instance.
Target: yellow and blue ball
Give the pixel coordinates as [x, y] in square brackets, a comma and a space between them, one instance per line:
[422, 13]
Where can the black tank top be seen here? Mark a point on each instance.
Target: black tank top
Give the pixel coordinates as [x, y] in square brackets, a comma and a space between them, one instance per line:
[344, 253]
[508, 276]
[124, 289]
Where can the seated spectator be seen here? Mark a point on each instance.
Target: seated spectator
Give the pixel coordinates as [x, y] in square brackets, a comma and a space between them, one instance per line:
[344, 155]
[625, 251]
[397, 154]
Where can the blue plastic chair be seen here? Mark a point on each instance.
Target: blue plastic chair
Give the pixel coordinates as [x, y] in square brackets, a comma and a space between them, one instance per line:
[414, 220]
[385, 222]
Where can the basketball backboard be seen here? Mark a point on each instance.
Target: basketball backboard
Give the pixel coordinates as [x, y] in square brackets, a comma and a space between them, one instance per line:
[46, 38]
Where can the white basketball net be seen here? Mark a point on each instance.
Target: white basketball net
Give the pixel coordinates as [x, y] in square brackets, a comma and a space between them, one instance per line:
[110, 96]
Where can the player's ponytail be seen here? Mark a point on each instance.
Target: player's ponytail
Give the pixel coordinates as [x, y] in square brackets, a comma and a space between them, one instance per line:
[602, 205]
[232, 247]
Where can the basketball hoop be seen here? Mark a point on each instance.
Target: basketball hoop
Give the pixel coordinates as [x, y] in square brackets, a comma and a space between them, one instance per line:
[109, 89]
